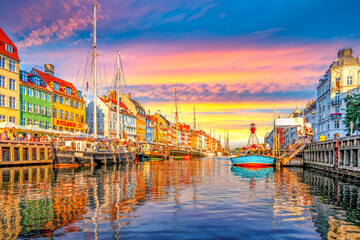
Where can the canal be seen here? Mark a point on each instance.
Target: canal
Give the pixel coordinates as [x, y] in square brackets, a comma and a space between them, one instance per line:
[195, 199]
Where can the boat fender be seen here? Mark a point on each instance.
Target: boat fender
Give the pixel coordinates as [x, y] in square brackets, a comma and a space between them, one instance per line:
[94, 147]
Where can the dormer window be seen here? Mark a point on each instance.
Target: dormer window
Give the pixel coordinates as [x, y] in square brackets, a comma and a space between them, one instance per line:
[24, 76]
[37, 81]
[56, 86]
[9, 48]
[78, 94]
[68, 91]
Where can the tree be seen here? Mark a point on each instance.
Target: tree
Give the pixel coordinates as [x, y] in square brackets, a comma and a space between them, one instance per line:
[352, 111]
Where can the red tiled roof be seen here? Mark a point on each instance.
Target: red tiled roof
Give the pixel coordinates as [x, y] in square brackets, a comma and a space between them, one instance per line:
[114, 102]
[47, 78]
[5, 39]
[33, 85]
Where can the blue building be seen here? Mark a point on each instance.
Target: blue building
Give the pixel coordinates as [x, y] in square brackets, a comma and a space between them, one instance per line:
[149, 129]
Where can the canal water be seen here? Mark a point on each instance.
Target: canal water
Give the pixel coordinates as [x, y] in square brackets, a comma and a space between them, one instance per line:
[193, 199]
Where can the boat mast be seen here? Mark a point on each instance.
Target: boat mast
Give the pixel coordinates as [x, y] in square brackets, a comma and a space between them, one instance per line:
[176, 121]
[94, 54]
[194, 134]
[117, 96]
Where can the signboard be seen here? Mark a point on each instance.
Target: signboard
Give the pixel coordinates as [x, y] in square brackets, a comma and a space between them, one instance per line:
[321, 138]
[289, 121]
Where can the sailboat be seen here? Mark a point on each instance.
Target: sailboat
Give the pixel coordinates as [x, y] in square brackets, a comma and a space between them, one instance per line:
[85, 151]
[194, 153]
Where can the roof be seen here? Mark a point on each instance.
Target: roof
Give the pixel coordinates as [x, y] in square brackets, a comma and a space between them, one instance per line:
[137, 104]
[29, 83]
[113, 102]
[167, 121]
[5, 39]
[48, 79]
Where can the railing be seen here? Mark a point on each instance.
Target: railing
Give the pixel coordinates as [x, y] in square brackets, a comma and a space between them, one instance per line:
[336, 101]
[335, 115]
[295, 149]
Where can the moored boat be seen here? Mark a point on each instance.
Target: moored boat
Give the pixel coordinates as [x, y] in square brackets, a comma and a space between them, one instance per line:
[252, 161]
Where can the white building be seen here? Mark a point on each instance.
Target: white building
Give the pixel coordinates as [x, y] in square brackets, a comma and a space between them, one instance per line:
[106, 116]
[342, 78]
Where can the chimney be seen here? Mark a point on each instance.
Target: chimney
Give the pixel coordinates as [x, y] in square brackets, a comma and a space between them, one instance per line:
[113, 95]
[49, 69]
[158, 111]
[148, 112]
[104, 97]
[345, 52]
[129, 95]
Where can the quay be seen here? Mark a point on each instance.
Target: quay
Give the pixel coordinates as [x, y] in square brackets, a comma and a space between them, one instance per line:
[339, 156]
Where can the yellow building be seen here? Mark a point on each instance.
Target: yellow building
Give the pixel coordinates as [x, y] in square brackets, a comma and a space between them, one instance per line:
[68, 105]
[9, 80]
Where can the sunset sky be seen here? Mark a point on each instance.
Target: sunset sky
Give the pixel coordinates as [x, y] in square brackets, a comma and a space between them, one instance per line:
[233, 60]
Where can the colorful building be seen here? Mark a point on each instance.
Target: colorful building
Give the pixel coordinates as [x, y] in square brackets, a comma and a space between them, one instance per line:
[149, 129]
[68, 105]
[35, 101]
[9, 80]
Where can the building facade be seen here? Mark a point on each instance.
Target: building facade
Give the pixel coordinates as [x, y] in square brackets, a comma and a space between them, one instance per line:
[68, 105]
[149, 129]
[9, 80]
[341, 79]
[35, 101]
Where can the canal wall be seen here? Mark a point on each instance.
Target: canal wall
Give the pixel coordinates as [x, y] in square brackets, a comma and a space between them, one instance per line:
[339, 156]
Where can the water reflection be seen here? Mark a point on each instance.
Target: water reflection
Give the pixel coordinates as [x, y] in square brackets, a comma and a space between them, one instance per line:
[176, 199]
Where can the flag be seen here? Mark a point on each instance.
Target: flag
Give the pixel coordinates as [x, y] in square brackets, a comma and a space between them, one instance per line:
[125, 136]
[87, 86]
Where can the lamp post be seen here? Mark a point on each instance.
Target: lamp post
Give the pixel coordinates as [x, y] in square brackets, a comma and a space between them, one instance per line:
[357, 125]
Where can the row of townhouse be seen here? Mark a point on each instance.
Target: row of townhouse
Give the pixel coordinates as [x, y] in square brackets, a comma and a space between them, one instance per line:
[36, 97]
[137, 125]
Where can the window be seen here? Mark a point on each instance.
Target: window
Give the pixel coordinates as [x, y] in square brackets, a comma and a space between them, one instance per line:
[36, 109]
[72, 117]
[72, 103]
[36, 81]
[36, 94]
[68, 91]
[66, 101]
[42, 110]
[2, 118]
[23, 90]
[337, 109]
[67, 116]
[11, 65]
[42, 95]
[60, 128]
[77, 118]
[22, 106]
[47, 125]
[61, 100]
[78, 94]
[22, 122]
[42, 124]
[29, 122]
[81, 118]
[30, 107]
[61, 114]
[337, 96]
[23, 76]
[30, 92]
[77, 104]
[2, 81]
[337, 124]
[2, 100]
[349, 80]
[48, 112]
[56, 86]
[12, 119]
[12, 84]
[2, 62]
[12, 102]
[9, 48]
[82, 106]
[48, 97]
[55, 113]
[55, 98]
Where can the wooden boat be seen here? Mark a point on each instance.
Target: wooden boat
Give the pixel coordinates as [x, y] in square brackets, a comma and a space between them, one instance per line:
[252, 161]
[178, 153]
[196, 154]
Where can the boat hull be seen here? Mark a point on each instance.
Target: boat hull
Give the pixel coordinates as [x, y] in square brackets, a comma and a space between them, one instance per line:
[252, 161]
[178, 153]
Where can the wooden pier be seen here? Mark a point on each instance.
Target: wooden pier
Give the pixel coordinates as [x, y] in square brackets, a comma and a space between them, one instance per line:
[24, 153]
[339, 156]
